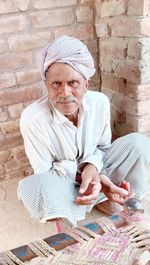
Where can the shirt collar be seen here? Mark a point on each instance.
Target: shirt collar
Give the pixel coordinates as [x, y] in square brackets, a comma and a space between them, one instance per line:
[59, 118]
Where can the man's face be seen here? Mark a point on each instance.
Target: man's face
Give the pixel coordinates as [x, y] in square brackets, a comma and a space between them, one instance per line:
[66, 88]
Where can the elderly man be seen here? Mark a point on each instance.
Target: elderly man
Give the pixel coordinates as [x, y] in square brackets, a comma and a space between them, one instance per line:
[67, 138]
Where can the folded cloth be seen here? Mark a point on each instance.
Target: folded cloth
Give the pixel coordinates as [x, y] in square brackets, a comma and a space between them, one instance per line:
[48, 196]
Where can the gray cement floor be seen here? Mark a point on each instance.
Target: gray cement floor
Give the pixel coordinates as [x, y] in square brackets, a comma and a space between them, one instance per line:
[17, 227]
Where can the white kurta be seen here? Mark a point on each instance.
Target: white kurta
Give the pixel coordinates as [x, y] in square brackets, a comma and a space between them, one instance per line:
[56, 150]
[51, 140]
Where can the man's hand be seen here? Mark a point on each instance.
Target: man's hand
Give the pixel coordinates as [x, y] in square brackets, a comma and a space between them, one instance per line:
[90, 186]
[113, 192]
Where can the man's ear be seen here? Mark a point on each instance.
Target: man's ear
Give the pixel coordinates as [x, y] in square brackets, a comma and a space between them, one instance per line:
[88, 82]
[45, 82]
[87, 85]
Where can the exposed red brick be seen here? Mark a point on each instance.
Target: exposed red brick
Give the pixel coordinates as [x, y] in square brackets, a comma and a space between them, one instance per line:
[20, 155]
[19, 173]
[11, 140]
[113, 8]
[28, 77]
[7, 80]
[29, 42]
[10, 6]
[84, 14]
[12, 24]
[136, 8]
[113, 47]
[15, 60]
[51, 18]
[3, 115]
[15, 96]
[3, 46]
[113, 83]
[9, 127]
[15, 110]
[80, 31]
[40, 4]
[5, 156]
[2, 172]
[12, 164]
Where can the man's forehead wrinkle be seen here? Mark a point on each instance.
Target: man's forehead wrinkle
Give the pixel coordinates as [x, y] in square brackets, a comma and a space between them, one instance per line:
[61, 77]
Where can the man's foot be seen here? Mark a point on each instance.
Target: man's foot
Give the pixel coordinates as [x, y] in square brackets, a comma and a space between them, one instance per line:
[109, 207]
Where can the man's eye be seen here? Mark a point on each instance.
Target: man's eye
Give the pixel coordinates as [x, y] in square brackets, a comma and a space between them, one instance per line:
[74, 83]
[56, 84]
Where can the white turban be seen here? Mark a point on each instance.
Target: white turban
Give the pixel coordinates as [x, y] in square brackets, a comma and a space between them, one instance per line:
[70, 51]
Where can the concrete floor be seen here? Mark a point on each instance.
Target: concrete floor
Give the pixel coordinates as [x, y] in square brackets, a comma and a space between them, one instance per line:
[17, 227]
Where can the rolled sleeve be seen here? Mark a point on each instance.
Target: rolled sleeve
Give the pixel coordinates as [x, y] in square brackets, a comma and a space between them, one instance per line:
[96, 160]
[99, 141]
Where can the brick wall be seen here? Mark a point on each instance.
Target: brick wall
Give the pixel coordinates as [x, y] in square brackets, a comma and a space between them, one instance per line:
[25, 27]
[123, 28]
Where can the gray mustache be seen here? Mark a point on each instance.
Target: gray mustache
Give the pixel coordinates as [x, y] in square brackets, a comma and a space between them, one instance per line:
[66, 100]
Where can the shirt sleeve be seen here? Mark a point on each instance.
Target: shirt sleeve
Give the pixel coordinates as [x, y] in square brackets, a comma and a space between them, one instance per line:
[104, 142]
[39, 155]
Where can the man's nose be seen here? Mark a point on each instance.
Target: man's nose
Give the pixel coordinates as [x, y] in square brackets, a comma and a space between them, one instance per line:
[66, 90]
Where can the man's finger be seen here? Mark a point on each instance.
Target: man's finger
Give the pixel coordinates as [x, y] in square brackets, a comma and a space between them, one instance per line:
[84, 185]
[115, 189]
[93, 196]
[125, 185]
[90, 197]
[83, 201]
[114, 198]
[96, 186]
